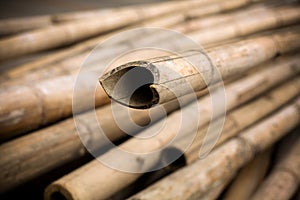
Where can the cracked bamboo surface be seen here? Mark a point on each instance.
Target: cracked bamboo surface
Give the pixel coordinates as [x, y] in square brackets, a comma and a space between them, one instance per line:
[66, 33]
[78, 184]
[19, 116]
[233, 154]
[274, 73]
[284, 178]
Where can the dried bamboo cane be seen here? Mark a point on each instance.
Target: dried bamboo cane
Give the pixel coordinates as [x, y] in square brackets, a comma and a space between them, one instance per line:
[244, 25]
[67, 33]
[78, 184]
[239, 92]
[249, 178]
[61, 69]
[284, 179]
[165, 84]
[269, 17]
[18, 116]
[233, 154]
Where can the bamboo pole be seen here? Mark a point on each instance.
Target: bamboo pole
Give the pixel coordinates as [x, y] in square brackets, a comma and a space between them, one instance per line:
[67, 33]
[233, 154]
[24, 121]
[270, 16]
[78, 184]
[37, 73]
[165, 84]
[244, 25]
[284, 178]
[19, 116]
[237, 93]
[249, 177]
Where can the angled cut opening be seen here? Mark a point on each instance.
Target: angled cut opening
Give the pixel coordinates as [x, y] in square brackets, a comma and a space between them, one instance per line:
[130, 86]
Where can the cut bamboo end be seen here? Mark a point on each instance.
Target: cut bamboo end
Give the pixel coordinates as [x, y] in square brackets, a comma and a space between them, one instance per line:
[132, 84]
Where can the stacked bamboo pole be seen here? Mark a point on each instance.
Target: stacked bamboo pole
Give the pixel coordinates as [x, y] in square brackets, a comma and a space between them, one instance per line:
[239, 92]
[284, 179]
[72, 65]
[78, 184]
[67, 33]
[262, 104]
[233, 154]
[18, 116]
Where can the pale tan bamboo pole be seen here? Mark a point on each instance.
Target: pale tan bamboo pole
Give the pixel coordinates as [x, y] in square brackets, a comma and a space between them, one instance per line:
[163, 21]
[233, 154]
[19, 117]
[47, 138]
[78, 184]
[62, 143]
[249, 178]
[244, 25]
[215, 191]
[284, 178]
[246, 53]
[67, 33]
[269, 17]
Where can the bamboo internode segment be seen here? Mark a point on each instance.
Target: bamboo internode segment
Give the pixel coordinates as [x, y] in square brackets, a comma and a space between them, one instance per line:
[67, 33]
[233, 154]
[167, 74]
[284, 178]
[34, 72]
[274, 73]
[78, 184]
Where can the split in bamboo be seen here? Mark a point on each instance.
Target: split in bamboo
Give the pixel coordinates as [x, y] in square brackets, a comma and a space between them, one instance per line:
[17, 151]
[78, 184]
[233, 154]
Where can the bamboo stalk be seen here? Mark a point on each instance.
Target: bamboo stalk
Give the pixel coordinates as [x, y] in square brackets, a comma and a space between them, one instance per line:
[233, 154]
[67, 33]
[47, 138]
[64, 67]
[249, 177]
[78, 184]
[284, 178]
[244, 25]
[269, 16]
[170, 72]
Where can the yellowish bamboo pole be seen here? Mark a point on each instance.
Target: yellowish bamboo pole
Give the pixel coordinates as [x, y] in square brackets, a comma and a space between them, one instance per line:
[67, 33]
[78, 184]
[165, 84]
[233, 154]
[284, 178]
[24, 147]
